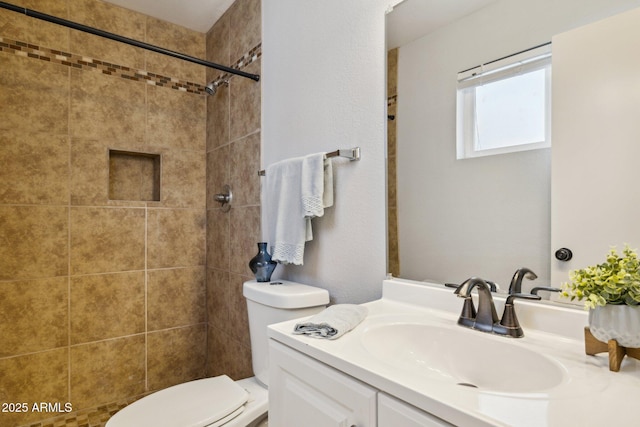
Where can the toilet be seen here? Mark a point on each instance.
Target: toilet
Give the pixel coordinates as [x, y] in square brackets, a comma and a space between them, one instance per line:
[220, 401]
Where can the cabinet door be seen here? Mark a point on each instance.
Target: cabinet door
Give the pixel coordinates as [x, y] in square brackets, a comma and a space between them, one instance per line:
[305, 392]
[395, 413]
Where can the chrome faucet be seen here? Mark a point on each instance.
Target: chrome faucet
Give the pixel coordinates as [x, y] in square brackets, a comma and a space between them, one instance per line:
[516, 281]
[486, 319]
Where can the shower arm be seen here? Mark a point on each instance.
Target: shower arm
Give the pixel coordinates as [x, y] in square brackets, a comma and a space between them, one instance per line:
[74, 25]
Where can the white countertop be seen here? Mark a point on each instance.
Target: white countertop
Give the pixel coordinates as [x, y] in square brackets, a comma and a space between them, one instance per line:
[589, 394]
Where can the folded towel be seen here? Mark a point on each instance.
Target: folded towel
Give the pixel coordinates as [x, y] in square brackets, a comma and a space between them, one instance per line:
[333, 322]
[297, 190]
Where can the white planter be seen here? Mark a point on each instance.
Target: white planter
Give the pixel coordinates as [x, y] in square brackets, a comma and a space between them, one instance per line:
[618, 322]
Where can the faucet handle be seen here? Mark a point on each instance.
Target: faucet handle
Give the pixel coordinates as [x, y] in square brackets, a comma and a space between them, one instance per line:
[511, 297]
[509, 324]
[468, 314]
[492, 285]
[537, 289]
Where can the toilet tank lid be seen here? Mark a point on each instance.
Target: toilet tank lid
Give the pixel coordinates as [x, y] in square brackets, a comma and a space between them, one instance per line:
[285, 294]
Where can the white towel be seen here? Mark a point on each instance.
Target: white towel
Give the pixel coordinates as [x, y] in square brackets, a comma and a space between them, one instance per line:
[286, 224]
[333, 322]
[295, 193]
[316, 187]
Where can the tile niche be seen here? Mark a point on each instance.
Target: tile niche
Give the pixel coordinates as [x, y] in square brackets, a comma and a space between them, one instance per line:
[134, 176]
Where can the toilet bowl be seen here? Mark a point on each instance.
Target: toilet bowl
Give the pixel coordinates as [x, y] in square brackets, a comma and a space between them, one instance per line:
[220, 401]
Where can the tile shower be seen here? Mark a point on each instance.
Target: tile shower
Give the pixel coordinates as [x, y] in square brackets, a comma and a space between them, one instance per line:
[118, 274]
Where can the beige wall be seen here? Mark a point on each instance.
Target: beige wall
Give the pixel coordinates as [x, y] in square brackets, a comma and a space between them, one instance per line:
[233, 157]
[100, 300]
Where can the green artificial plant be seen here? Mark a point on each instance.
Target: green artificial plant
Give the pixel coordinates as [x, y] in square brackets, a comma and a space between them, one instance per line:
[615, 281]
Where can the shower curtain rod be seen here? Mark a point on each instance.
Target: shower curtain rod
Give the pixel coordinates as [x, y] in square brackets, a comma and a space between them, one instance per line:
[116, 37]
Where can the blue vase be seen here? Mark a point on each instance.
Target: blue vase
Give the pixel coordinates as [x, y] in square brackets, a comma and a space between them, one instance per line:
[262, 265]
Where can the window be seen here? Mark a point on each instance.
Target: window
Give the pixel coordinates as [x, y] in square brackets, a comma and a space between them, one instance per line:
[505, 106]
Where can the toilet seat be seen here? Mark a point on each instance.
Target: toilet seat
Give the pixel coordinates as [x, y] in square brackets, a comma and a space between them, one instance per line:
[199, 403]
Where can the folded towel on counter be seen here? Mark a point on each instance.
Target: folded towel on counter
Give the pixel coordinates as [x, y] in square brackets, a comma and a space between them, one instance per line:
[333, 322]
[295, 193]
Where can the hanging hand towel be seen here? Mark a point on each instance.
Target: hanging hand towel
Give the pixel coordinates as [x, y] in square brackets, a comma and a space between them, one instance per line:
[317, 187]
[333, 322]
[284, 213]
[295, 193]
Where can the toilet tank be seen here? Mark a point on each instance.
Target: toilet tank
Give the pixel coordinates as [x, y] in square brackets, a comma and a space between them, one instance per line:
[273, 302]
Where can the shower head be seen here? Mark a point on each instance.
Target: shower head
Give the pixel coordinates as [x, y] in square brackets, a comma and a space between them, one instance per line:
[212, 87]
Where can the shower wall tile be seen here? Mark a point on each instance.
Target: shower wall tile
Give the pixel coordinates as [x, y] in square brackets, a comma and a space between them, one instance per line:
[238, 316]
[118, 286]
[115, 296]
[106, 50]
[38, 377]
[90, 172]
[175, 238]
[245, 27]
[244, 165]
[392, 72]
[107, 107]
[108, 17]
[184, 179]
[227, 355]
[107, 240]
[233, 157]
[176, 356]
[35, 168]
[34, 315]
[245, 229]
[218, 173]
[392, 211]
[175, 297]
[218, 296]
[34, 242]
[111, 18]
[245, 104]
[168, 66]
[218, 118]
[107, 370]
[217, 40]
[24, 83]
[174, 37]
[36, 31]
[175, 119]
[218, 240]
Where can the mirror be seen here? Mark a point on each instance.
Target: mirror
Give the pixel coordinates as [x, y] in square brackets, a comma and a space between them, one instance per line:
[452, 219]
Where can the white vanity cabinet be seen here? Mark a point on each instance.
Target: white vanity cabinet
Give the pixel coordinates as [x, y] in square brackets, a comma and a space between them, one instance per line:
[306, 392]
[395, 413]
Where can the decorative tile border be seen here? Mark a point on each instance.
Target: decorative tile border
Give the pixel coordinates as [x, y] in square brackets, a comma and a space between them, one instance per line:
[29, 50]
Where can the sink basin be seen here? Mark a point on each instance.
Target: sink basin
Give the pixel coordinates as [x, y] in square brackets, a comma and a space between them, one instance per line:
[463, 357]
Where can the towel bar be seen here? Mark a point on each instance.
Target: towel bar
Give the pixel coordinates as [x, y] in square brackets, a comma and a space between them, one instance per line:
[349, 153]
